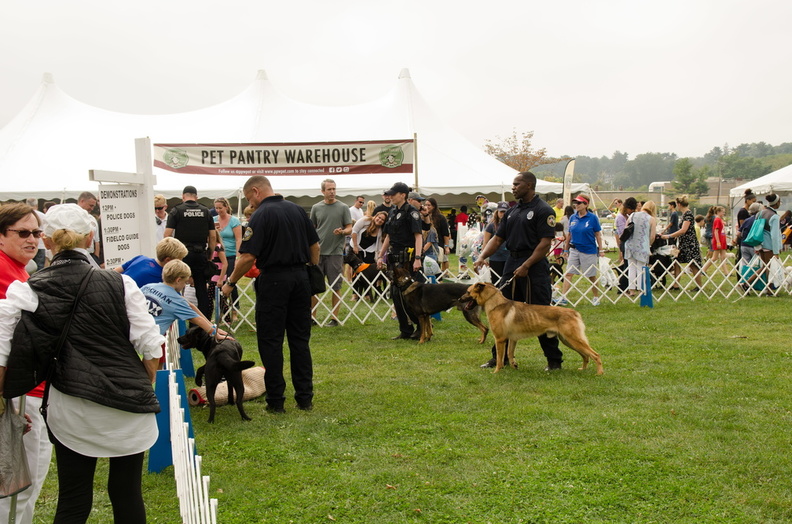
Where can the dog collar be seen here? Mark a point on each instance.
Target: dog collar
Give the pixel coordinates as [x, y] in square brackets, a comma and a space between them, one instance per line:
[361, 267]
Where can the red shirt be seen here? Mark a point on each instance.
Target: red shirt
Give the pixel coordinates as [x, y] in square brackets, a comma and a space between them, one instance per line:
[718, 235]
[462, 218]
[11, 270]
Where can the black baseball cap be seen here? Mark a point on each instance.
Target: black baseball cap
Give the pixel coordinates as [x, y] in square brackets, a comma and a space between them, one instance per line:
[398, 187]
[189, 190]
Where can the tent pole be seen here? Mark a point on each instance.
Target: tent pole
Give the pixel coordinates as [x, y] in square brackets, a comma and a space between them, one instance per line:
[415, 159]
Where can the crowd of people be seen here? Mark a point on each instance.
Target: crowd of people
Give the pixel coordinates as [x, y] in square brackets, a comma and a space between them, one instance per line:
[115, 320]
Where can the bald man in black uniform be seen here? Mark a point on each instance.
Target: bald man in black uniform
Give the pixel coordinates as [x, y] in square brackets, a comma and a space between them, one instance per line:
[280, 239]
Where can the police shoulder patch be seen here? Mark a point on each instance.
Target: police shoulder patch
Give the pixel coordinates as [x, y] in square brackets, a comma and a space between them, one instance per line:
[248, 234]
[551, 220]
[415, 215]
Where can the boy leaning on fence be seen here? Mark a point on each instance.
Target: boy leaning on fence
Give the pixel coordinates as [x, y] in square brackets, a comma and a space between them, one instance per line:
[166, 303]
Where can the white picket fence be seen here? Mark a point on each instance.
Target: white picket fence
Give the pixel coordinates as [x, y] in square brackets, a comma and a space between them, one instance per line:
[719, 280]
[192, 487]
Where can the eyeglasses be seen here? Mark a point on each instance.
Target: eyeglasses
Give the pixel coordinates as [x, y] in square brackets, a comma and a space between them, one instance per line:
[24, 233]
[160, 208]
[576, 203]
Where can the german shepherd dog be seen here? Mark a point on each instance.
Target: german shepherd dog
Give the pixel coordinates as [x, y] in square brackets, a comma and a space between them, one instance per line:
[427, 299]
[367, 277]
[511, 321]
[223, 359]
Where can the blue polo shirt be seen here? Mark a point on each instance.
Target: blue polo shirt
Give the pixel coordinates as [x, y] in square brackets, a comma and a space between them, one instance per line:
[143, 270]
[583, 229]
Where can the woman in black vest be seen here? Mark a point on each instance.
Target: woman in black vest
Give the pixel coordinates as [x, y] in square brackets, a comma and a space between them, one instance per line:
[99, 401]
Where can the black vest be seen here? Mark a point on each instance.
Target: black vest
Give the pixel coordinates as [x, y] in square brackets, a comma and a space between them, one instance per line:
[97, 361]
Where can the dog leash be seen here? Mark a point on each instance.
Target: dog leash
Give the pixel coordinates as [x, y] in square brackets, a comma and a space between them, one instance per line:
[513, 282]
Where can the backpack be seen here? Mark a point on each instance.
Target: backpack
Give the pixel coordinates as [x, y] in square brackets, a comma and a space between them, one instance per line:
[755, 236]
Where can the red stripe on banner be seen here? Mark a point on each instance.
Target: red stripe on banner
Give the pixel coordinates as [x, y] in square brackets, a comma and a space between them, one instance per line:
[287, 171]
[279, 144]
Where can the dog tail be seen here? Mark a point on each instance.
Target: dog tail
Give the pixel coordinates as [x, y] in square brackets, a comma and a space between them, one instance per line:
[245, 364]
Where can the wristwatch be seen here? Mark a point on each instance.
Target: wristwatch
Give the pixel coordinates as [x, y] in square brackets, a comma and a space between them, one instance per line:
[232, 284]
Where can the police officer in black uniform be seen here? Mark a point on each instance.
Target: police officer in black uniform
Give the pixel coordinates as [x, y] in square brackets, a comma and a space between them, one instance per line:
[401, 247]
[527, 229]
[192, 223]
[280, 239]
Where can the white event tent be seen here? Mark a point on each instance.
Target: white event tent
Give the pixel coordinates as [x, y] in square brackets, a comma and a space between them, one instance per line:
[779, 182]
[48, 148]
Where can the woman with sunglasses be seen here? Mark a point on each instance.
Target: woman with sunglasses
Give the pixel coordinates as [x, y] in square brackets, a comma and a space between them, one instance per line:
[20, 230]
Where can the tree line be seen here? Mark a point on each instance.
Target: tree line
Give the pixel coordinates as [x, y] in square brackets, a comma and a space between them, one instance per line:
[622, 173]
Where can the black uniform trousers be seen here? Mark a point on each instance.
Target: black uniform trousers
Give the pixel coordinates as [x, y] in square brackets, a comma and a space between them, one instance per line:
[197, 261]
[283, 304]
[536, 288]
[408, 321]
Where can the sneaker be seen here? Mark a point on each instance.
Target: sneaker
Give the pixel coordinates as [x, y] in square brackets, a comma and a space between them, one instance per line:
[561, 302]
[553, 366]
[489, 364]
[333, 323]
[596, 301]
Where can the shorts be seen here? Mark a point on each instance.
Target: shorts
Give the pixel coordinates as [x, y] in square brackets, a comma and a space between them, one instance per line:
[441, 255]
[578, 260]
[331, 266]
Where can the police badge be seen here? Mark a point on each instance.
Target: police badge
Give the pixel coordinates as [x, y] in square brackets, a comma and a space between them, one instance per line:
[248, 234]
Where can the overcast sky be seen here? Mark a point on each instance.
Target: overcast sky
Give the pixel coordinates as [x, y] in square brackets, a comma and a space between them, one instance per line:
[588, 77]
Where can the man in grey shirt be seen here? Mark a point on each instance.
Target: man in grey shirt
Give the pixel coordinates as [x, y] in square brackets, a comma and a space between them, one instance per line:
[333, 223]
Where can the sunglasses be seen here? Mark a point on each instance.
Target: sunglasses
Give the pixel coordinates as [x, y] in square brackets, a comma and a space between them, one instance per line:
[160, 208]
[24, 233]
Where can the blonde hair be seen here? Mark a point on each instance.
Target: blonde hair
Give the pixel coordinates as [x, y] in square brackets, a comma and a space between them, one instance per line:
[650, 207]
[174, 270]
[159, 201]
[682, 200]
[66, 239]
[222, 201]
[248, 212]
[370, 205]
[170, 247]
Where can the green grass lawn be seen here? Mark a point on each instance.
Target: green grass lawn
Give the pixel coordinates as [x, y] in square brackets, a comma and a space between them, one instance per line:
[688, 424]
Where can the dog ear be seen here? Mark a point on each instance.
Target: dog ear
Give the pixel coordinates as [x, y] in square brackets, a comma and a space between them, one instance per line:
[479, 286]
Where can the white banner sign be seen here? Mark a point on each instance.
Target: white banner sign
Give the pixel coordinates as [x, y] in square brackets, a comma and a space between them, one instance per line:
[307, 159]
[121, 223]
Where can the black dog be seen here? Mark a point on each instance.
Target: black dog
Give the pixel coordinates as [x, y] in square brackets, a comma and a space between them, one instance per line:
[367, 277]
[425, 300]
[222, 360]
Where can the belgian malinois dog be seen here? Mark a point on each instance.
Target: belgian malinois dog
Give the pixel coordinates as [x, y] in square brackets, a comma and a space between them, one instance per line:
[511, 321]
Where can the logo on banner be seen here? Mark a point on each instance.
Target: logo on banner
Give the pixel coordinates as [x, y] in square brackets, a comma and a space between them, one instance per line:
[175, 158]
[391, 156]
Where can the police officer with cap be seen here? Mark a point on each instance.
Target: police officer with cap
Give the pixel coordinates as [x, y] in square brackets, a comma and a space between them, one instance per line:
[528, 229]
[401, 247]
[192, 223]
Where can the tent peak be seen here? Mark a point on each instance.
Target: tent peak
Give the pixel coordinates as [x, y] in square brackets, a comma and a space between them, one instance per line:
[404, 73]
[261, 74]
[48, 78]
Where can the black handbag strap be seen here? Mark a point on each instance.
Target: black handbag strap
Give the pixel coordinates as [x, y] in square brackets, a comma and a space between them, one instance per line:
[61, 341]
